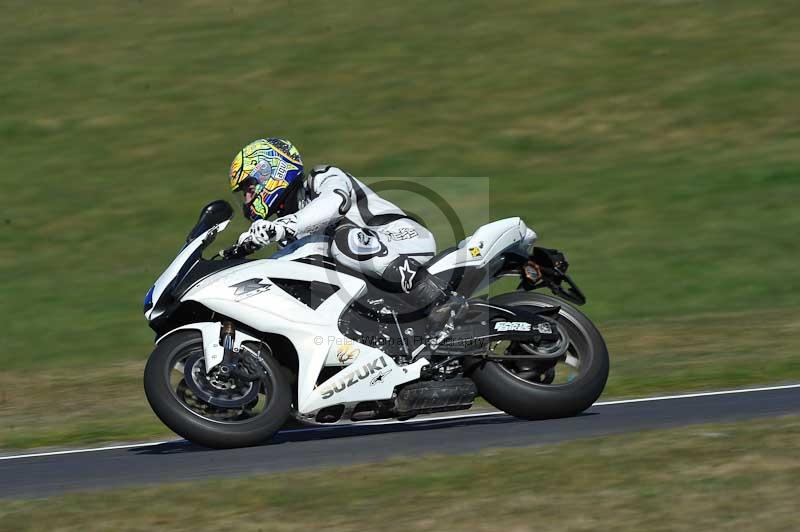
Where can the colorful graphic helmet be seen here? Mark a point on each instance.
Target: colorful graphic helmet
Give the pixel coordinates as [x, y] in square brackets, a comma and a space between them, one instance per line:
[272, 165]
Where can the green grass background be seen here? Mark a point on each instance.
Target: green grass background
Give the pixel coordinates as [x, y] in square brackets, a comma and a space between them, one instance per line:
[657, 142]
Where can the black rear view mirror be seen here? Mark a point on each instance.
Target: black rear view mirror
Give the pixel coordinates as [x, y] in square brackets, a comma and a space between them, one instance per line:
[212, 214]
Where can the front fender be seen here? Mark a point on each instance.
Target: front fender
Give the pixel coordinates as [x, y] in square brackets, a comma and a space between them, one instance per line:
[212, 349]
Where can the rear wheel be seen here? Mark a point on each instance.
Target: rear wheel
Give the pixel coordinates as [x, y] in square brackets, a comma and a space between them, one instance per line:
[560, 387]
[214, 409]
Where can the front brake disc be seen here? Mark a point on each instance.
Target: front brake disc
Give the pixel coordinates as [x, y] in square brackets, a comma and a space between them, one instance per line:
[227, 393]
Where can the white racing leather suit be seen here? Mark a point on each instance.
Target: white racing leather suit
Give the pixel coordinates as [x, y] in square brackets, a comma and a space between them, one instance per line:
[370, 234]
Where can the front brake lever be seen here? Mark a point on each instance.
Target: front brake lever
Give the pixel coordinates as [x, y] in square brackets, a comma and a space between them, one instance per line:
[239, 251]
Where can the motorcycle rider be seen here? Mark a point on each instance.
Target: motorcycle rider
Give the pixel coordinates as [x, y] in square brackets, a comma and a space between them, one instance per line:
[369, 234]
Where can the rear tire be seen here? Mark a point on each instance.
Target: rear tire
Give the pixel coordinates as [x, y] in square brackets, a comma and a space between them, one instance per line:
[531, 400]
[202, 430]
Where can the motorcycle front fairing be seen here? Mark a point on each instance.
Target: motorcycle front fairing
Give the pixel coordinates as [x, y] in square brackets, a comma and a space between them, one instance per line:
[189, 255]
[213, 218]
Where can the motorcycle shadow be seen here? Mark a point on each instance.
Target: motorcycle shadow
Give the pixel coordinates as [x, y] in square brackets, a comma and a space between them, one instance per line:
[306, 434]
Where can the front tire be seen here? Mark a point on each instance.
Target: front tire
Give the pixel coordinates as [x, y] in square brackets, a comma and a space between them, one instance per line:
[540, 398]
[212, 426]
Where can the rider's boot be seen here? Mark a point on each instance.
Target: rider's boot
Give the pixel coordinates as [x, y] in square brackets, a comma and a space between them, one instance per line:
[445, 305]
[425, 289]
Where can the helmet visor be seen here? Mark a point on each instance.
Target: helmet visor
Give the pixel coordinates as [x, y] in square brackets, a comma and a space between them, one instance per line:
[245, 194]
[257, 200]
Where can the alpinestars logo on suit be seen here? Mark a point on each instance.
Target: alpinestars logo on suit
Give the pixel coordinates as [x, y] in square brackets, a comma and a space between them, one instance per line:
[406, 276]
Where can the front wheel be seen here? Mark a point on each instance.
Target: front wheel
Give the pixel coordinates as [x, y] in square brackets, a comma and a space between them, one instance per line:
[545, 389]
[212, 409]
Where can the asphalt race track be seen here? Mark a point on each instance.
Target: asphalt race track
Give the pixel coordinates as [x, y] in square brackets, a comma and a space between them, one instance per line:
[51, 473]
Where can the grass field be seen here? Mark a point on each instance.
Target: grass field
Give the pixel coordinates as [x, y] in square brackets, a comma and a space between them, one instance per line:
[657, 142]
[709, 477]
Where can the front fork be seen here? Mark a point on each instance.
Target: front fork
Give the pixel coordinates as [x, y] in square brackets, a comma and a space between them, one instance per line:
[215, 340]
[230, 354]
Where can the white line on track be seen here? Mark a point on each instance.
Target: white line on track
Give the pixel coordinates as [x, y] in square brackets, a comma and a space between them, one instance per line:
[91, 450]
[418, 420]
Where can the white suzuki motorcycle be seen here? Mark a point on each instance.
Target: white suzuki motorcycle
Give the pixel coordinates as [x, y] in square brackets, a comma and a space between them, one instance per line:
[244, 344]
